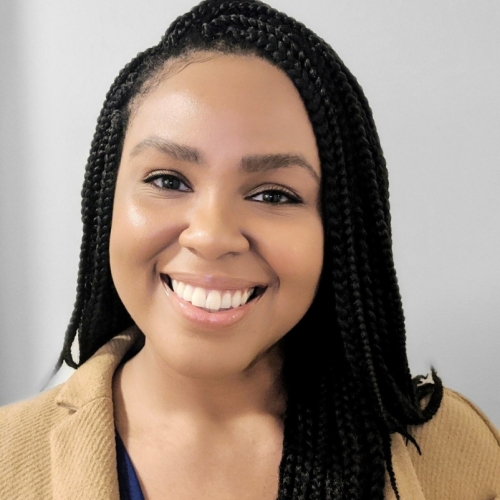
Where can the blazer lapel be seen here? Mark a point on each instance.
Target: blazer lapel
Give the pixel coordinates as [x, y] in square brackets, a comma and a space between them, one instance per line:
[83, 454]
[82, 444]
[406, 479]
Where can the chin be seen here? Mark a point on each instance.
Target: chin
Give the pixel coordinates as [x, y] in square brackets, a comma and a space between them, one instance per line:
[210, 369]
[212, 362]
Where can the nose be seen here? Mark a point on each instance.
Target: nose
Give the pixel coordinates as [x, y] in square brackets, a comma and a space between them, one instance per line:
[214, 230]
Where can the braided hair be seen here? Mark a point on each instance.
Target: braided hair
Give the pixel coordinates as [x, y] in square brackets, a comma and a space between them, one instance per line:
[349, 385]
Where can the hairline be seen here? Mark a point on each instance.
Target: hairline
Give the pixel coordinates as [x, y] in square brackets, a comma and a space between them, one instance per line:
[173, 66]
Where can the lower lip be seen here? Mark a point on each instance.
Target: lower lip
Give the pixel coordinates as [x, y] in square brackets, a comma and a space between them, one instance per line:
[217, 319]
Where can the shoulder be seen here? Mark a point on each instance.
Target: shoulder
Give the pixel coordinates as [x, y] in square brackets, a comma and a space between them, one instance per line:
[58, 439]
[28, 419]
[25, 445]
[32, 420]
[460, 452]
[459, 421]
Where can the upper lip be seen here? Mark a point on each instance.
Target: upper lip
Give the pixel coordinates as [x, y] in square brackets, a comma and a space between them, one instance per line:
[213, 282]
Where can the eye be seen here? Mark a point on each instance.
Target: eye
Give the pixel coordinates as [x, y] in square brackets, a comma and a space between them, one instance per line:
[276, 196]
[170, 181]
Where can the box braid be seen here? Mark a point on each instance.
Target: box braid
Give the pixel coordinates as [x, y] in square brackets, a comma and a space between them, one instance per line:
[343, 402]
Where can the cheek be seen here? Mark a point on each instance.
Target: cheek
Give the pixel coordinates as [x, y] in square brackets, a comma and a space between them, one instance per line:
[297, 259]
[139, 233]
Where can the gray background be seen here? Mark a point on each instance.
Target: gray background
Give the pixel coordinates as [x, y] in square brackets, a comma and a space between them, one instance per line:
[431, 72]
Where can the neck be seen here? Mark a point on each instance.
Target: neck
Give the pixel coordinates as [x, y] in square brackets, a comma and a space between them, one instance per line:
[146, 388]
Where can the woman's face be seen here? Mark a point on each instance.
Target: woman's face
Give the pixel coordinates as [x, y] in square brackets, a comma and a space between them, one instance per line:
[216, 203]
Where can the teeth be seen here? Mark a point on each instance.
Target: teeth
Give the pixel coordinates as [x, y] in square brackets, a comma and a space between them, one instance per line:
[199, 298]
[213, 300]
[180, 289]
[226, 301]
[236, 300]
[188, 293]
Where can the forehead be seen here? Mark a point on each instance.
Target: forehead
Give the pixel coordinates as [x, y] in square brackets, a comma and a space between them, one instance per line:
[238, 104]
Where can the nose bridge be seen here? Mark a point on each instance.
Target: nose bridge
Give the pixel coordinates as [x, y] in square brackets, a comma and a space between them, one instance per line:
[214, 228]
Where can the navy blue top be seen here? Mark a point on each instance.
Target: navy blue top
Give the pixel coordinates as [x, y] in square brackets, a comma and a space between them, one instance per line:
[130, 488]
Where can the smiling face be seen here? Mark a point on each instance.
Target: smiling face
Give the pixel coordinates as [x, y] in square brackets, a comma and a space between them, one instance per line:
[217, 203]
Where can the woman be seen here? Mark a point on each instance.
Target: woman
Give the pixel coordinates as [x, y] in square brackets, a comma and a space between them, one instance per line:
[239, 322]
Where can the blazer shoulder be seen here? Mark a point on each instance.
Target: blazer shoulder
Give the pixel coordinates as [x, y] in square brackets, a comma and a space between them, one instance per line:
[32, 402]
[460, 452]
[25, 423]
[466, 412]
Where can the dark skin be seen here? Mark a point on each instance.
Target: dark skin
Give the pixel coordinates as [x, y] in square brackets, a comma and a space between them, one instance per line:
[200, 407]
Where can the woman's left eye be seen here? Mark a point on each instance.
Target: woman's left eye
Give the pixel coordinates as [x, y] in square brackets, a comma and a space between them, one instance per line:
[276, 197]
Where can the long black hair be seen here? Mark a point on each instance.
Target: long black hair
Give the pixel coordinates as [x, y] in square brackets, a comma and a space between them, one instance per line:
[346, 370]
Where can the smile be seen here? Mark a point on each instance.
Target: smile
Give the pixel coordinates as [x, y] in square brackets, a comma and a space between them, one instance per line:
[212, 300]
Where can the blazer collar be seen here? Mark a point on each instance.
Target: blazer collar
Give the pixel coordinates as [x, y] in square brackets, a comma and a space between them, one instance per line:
[82, 444]
[93, 380]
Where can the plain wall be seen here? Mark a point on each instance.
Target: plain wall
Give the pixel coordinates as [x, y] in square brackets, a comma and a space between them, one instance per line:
[430, 70]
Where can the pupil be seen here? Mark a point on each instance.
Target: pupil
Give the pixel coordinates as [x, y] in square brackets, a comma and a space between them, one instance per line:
[172, 183]
[272, 197]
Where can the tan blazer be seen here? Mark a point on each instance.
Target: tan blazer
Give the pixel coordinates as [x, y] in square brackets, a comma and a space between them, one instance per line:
[61, 444]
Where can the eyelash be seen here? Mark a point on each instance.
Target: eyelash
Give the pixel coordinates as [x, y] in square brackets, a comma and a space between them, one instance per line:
[292, 198]
[150, 179]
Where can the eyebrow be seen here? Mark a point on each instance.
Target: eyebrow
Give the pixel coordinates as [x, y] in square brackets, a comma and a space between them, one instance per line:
[178, 152]
[249, 163]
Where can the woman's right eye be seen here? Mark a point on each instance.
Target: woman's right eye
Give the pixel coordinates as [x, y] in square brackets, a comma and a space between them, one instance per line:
[167, 181]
